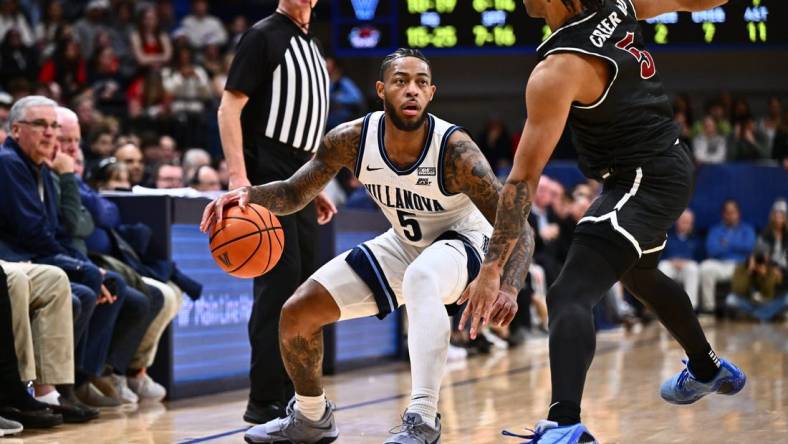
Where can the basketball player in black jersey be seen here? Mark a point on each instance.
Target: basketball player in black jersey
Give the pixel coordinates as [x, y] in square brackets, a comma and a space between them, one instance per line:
[595, 72]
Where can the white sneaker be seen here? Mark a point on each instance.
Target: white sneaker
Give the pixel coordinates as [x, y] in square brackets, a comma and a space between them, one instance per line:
[146, 388]
[122, 387]
[8, 427]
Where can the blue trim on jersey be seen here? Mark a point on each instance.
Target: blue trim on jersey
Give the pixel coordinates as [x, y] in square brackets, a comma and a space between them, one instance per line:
[361, 145]
[363, 262]
[441, 154]
[424, 150]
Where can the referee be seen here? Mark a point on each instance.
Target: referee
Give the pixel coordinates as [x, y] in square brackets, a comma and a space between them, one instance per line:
[271, 120]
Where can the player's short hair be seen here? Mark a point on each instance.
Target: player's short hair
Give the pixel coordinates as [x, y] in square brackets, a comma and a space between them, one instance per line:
[398, 54]
[588, 5]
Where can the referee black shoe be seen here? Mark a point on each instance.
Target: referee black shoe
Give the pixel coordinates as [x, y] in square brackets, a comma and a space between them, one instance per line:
[261, 413]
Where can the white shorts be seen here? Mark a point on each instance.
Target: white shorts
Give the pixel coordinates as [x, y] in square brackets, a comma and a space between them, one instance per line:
[367, 280]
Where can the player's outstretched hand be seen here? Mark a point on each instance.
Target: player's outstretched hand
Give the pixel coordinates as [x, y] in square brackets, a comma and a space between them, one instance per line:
[325, 208]
[487, 302]
[213, 211]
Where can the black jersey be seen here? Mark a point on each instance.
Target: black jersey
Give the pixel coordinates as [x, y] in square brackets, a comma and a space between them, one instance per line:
[633, 119]
[282, 71]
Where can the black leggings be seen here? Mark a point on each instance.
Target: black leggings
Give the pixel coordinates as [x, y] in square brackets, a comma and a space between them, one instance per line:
[593, 265]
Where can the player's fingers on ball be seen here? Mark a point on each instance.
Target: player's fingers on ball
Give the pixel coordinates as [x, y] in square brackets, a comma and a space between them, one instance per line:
[207, 215]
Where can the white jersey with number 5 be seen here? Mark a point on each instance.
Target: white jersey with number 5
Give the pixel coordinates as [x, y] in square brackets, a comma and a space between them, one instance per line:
[414, 199]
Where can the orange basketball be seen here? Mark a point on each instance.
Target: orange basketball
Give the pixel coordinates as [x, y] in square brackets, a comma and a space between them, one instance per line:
[247, 243]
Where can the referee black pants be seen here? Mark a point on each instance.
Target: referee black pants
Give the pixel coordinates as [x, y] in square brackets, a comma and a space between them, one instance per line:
[268, 377]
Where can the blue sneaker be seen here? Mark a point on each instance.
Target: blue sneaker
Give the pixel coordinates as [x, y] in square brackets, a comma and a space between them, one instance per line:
[685, 389]
[549, 432]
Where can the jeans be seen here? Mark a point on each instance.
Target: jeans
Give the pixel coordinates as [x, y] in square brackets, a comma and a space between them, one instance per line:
[764, 312]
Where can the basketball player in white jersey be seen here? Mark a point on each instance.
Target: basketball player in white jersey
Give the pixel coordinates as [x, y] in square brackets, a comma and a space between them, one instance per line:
[440, 195]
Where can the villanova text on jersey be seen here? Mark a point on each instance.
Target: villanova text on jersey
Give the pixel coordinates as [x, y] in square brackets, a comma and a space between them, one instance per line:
[394, 197]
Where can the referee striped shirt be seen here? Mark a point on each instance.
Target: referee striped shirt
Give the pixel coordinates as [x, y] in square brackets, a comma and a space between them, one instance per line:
[283, 72]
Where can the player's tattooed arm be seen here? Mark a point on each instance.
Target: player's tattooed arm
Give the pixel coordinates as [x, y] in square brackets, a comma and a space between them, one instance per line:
[512, 244]
[338, 149]
[467, 171]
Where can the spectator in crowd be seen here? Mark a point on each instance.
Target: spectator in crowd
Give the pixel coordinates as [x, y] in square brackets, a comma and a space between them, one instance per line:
[16, 60]
[131, 155]
[12, 17]
[110, 175]
[212, 60]
[709, 146]
[120, 29]
[201, 28]
[747, 143]
[167, 176]
[768, 124]
[46, 30]
[15, 401]
[238, 27]
[194, 158]
[494, 141]
[683, 104]
[106, 81]
[774, 238]
[547, 193]
[780, 143]
[346, 100]
[680, 257]
[168, 148]
[716, 109]
[5, 108]
[148, 102]
[684, 127]
[205, 178]
[728, 243]
[90, 25]
[66, 67]
[224, 174]
[754, 288]
[189, 88]
[100, 146]
[151, 45]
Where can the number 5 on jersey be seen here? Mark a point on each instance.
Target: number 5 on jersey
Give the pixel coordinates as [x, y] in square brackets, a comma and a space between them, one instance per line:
[410, 226]
[647, 67]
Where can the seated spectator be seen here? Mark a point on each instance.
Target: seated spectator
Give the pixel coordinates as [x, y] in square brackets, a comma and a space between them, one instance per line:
[12, 17]
[768, 124]
[728, 243]
[41, 310]
[91, 24]
[110, 175]
[15, 401]
[716, 109]
[709, 146]
[201, 28]
[774, 238]
[167, 176]
[168, 149]
[17, 60]
[754, 288]
[100, 146]
[780, 144]
[151, 45]
[194, 158]
[131, 155]
[66, 67]
[747, 143]
[46, 30]
[189, 87]
[680, 256]
[206, 178]
[106, 81]
[685, 134]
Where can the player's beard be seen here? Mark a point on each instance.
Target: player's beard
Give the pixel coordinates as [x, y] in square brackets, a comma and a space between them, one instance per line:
[400, 124]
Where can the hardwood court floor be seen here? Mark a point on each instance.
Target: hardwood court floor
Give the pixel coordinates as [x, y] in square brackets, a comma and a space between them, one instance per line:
[510, 390]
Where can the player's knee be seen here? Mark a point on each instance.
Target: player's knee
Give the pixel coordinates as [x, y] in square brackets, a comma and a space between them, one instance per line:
[417, 279]
[308, 309]
[564, 303]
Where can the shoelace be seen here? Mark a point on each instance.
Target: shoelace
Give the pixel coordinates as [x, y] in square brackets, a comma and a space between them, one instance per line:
[533, 437]
[408, 426]
[684, 375]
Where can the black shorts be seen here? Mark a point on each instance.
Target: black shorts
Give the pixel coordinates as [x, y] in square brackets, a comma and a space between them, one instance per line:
[642, 204]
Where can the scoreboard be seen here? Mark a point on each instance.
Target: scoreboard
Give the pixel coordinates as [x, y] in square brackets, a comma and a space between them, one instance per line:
[373, 27]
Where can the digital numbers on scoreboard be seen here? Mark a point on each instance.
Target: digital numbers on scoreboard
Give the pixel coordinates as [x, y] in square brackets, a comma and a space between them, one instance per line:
[749, 22]
[464, 24]
[456, 26]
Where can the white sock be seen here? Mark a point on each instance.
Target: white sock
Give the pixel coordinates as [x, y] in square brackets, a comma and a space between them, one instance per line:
[313, 407]
[435, 278]
[52, 398]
